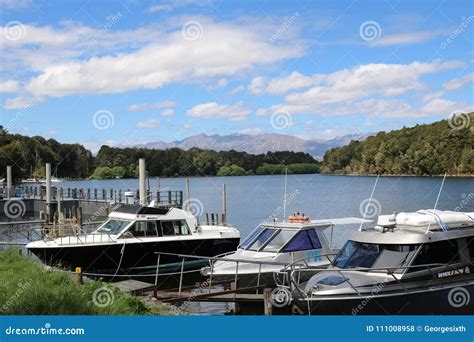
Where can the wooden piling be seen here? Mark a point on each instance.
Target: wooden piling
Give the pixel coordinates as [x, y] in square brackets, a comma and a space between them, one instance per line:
[79, 275]
[267, 303]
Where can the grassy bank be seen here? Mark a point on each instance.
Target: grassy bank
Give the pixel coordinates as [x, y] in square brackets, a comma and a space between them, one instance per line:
[27, 288]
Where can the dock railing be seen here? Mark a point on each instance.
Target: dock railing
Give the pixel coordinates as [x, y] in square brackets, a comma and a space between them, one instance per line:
[211, 260]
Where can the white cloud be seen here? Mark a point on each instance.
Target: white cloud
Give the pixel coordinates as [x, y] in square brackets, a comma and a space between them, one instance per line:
[212, 110]
[280, 86]
[167, 112]
[152, 123]
[160, 8]
[431, 96]
[225, 49]
[406, 38]
[9, 86]
[460, 82]
[141, 107]
[21, 102]
[252, 131]
[237, 90]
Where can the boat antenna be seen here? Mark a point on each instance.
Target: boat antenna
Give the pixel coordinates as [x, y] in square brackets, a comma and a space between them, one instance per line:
[370, 201]
[284, 196]
[436, 203]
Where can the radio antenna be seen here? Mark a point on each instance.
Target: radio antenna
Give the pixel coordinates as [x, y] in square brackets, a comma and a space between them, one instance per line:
[370, 201]
[436, 204]
[284, 196]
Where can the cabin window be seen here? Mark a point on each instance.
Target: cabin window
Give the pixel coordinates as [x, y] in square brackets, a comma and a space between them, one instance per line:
[177, 227]
[144, 229]
[251, 237]
[278, 240]
[113, 226]
[304, 240]
[441, 252]
[366, 255]
[262, 239]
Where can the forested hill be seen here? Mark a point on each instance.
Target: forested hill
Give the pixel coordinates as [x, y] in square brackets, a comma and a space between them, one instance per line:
[444, 146]
[28, 155]
[175, 162]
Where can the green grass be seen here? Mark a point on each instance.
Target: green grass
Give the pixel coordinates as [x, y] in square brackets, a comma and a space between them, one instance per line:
[27, 288]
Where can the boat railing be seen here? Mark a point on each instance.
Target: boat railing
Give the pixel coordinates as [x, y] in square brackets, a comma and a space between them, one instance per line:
[210, 260]
[84, 239]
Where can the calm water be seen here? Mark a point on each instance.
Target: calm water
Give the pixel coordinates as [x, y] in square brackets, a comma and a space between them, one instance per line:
[252, 199]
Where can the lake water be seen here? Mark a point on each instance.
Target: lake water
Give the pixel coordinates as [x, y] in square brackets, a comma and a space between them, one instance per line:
[252, 199]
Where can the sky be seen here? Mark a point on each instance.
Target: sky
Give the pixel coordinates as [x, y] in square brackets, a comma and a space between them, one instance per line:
[129, 72]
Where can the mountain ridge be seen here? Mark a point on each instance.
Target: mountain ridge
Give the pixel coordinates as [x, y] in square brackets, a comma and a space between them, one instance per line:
[256, 143]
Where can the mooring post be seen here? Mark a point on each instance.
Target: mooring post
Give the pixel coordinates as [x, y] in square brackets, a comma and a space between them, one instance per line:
[79, 275]
[142, 180]
[268, 307]
[188, 194]
[9, 181]
[48, 189]
[224, 205]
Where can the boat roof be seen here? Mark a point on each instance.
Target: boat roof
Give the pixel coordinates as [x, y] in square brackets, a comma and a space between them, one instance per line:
[422, 226]
[324, 223]
[136, 209]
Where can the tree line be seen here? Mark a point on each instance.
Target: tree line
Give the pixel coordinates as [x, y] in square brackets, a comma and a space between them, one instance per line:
[432, 149]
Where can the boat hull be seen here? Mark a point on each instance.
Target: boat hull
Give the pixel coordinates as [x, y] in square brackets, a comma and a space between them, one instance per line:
[448, 300]
[141, 256]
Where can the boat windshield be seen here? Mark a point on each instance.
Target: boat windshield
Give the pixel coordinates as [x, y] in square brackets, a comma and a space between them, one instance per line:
[251, 237]
[113, 226]
[366, 255]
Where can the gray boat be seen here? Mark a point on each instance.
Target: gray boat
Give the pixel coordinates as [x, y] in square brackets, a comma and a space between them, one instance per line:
[409, 263]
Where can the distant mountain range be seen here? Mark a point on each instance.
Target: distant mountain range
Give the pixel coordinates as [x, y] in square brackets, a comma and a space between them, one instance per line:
[256, 144]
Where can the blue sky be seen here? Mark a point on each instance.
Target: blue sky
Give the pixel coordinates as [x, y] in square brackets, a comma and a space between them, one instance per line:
[127, 72]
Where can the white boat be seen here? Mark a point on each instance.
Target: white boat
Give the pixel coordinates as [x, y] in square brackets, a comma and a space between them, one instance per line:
[131, 238]
[411, 263]
[274, 245]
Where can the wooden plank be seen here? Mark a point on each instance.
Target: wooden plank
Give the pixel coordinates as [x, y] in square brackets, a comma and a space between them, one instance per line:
[133, 286]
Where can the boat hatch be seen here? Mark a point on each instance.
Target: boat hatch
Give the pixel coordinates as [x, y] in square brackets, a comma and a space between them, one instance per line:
[272, 239]
[332, 280]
